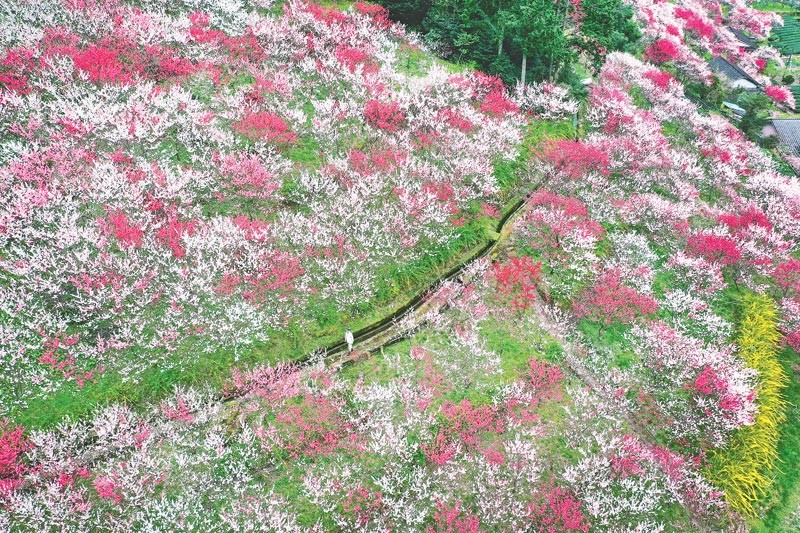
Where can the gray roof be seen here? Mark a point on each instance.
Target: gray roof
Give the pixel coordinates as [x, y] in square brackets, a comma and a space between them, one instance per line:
[743, 38]
[735, 108]
[788, 131]
[729, 70]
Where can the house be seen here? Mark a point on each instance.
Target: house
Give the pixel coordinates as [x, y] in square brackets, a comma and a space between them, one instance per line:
[748, 43]
[787, 130]
[733, 75]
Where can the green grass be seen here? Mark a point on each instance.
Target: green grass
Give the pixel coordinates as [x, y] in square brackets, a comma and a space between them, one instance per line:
[541, 130]
[323, 323]
[514, 343]
[510, 175]
[516, 346]
[786, 498]
[610, 338]
[413, 61]
[514, 352]
[341, 5]
[305, 152]
[154, 383]
[188, 366]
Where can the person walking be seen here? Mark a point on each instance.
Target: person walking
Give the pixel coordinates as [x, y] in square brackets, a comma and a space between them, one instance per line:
[348, 338]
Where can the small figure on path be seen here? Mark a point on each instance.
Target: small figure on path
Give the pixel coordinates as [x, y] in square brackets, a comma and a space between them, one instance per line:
[348, 338]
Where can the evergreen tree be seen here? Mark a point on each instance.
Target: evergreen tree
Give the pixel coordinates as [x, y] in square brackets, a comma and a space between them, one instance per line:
[606, 26]
[409, 12]
[520, 40]
[539, 30]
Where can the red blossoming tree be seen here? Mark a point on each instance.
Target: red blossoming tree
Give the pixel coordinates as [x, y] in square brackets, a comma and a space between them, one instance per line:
[454, 520]
[267, 126]
[716, 248]
[576, 158]
[609, 301]
[127, 234]
[661, 51]
[517, 280]
[558, 511]
[13, 446]
[787, 276]
[386, 116]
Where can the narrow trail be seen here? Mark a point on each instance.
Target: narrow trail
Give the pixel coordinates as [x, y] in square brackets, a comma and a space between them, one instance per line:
[408, 317]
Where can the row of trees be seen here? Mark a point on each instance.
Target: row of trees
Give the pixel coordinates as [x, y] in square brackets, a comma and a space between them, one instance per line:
[521, 40]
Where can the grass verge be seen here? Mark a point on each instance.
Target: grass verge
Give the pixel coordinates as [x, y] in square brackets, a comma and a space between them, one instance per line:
[746, 468]
[782, 515]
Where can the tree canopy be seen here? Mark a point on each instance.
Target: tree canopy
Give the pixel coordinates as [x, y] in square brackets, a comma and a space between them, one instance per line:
[523, 40]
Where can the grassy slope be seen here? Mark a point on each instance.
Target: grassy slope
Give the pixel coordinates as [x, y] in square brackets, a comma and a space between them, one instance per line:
[782, 515]
[326, 324]
[776, 7]
[787, 482]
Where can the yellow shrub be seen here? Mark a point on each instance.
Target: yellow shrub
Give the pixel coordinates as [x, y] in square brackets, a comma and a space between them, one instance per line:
[744, 468]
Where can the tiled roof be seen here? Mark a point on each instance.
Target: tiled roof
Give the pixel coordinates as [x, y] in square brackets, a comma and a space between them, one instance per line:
[743, 38]
[730, 71]
[788, 131]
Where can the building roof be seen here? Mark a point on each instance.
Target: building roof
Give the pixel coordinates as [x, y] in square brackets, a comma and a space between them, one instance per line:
[729, 70]
[735, 108]
[743, 38]
[788, 131]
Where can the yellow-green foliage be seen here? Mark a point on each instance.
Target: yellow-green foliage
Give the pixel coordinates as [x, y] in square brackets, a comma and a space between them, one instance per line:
[745, 467]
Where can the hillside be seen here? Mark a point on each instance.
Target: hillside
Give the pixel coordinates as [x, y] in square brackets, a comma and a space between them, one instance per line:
[198, 200]
[177, 196]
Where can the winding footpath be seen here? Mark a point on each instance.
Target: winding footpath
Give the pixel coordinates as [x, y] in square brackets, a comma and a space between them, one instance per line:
[409, 317]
